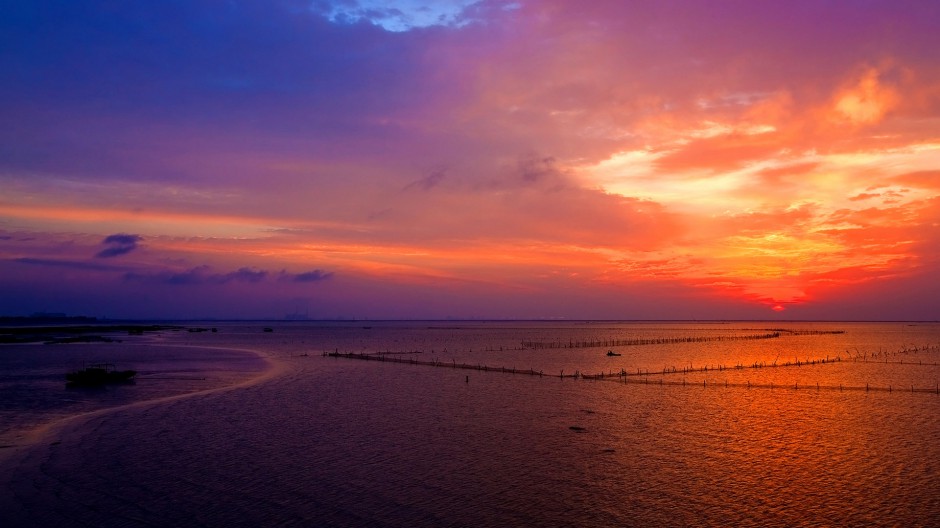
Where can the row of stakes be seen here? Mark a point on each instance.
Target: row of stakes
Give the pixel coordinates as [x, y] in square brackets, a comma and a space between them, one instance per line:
[625, 377]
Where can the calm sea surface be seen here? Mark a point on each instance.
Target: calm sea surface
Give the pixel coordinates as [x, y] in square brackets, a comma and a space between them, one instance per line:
[692, 424]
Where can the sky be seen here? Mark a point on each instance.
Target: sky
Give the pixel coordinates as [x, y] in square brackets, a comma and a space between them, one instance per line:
[525, 159]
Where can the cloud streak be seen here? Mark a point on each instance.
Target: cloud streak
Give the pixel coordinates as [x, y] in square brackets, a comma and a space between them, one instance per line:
[205, 275]
[197, 276]
[68, 264]
[307, 276]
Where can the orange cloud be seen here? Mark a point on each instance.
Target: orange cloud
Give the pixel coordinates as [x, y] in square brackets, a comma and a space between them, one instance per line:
[867, 101]
[929, 179]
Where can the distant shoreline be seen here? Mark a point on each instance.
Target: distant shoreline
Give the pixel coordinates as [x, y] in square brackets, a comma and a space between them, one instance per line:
[69, 333]
[10, 321]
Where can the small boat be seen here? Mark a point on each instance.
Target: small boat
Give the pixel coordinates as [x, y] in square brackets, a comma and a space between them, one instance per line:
[611, 353]
[99, 374]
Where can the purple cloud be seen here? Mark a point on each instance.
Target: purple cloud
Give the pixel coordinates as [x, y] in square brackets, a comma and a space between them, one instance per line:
[245, 275]
[428, 182]
[311, 276]
[119, 244]
[198, 275]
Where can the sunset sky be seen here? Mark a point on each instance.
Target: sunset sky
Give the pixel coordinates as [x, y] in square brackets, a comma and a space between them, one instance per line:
[470, 159]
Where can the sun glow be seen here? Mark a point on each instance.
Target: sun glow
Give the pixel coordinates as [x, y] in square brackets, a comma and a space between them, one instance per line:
[776, 221]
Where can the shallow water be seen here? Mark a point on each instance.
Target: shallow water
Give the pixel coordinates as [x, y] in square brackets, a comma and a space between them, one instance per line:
[341, 442]
[32, 378]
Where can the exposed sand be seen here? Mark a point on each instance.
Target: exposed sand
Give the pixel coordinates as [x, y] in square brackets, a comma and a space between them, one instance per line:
[31, 449]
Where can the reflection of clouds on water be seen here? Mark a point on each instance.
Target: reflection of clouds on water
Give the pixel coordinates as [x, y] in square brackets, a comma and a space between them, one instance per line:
[341, 443]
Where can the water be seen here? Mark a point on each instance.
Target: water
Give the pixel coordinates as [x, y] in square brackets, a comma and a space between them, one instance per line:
[328, 441]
